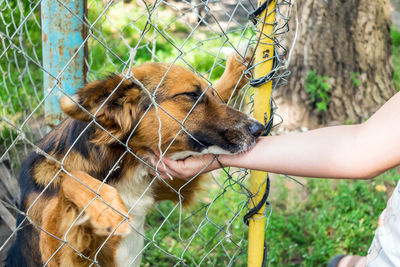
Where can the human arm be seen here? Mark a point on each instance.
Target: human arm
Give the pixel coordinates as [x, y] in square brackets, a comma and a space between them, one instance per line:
[348, 151]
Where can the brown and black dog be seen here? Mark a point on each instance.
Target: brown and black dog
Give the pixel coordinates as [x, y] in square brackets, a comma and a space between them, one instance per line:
[87, 196]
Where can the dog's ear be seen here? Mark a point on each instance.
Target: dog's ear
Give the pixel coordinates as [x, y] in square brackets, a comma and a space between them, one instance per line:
[73, 110]
[112, 102]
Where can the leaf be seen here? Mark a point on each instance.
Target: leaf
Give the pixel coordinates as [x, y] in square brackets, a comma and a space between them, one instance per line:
[318, 89]
[322, 106]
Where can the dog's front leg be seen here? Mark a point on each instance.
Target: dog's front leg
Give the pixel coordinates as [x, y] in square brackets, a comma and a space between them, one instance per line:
[84, 223]
[233, 78]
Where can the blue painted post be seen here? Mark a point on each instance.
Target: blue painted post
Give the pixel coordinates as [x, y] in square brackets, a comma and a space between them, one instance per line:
[64, 51]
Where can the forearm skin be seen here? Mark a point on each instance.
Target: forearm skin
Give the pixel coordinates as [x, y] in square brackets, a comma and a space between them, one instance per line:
[348, 151]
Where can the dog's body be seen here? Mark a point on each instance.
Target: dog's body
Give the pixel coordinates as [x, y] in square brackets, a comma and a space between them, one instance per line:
[77, 219]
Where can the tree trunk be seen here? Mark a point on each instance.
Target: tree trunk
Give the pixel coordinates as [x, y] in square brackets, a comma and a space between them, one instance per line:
[350, 43]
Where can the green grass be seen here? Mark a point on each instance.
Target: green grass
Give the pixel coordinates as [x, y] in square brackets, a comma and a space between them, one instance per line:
[307, 225]
[211, 232]
[172, 43]
[327, 217]
[21, 78]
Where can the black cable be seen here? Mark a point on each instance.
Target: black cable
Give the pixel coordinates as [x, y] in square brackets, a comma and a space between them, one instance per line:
[264, 79]
[256, 209]
[270, 123]
[252, 16]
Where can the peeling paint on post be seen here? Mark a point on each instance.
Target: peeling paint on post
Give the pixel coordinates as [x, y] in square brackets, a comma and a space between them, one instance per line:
[63, 34]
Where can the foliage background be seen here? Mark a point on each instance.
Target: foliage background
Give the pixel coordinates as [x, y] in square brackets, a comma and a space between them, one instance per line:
[307, 226]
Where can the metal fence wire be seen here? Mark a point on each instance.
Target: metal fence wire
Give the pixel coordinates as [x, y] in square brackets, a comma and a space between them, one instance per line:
[198, 35]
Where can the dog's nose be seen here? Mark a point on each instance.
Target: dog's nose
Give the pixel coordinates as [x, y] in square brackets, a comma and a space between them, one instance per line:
[256, 129]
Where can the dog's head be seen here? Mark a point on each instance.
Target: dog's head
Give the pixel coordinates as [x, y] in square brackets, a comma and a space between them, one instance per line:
[191, 117]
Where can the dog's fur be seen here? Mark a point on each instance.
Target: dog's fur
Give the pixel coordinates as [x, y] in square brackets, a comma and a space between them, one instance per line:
[63, 192]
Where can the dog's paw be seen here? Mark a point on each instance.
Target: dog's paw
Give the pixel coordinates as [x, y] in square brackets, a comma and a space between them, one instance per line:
[105, 211]
[108, 214]
[247, 52]
[240, 60]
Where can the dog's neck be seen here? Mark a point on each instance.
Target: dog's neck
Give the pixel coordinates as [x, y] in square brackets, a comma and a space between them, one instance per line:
[111, 162]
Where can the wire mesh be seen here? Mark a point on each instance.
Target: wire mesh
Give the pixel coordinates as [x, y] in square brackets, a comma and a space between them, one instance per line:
[198, 35]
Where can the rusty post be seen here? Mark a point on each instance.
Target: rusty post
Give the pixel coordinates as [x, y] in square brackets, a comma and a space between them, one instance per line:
[64, 51]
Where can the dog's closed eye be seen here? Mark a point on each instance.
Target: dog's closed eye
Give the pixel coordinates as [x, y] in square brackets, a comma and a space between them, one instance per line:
[192, 95]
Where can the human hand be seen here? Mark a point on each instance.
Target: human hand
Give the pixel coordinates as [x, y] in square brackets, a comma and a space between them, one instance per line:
[187, 168]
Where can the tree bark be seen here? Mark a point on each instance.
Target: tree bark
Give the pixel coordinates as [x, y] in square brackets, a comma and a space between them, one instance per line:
[339, 39]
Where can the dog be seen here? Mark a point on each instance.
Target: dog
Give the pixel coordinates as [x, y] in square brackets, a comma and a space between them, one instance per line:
[87, 190]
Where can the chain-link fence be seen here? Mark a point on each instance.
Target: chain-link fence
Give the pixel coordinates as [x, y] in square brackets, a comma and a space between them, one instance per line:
[119, 35]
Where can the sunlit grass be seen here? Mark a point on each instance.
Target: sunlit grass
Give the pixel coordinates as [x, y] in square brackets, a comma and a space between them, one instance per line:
[308, 225]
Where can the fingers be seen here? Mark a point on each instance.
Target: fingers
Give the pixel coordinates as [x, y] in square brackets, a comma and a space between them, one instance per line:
[161, 170]
[186, 168]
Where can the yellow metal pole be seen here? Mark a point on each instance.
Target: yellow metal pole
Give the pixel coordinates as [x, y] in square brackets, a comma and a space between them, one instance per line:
[262, 96]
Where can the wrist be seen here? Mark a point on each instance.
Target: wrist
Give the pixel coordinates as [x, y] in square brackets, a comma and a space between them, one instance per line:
[243, 159]
[225, 160]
